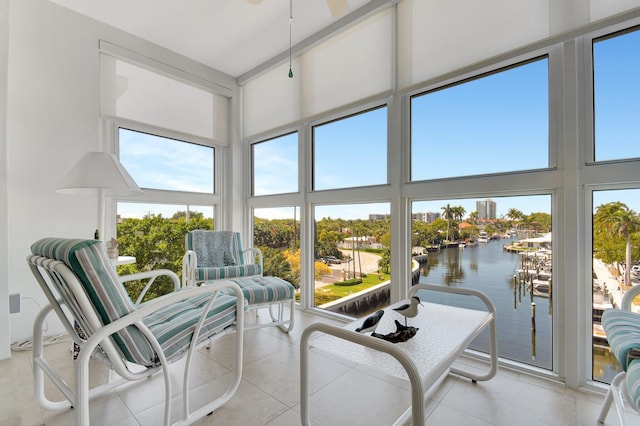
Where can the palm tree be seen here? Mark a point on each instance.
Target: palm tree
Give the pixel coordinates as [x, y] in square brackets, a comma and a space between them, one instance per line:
[515, 215]
[617, 219]
[473, 218]
[458, 213]
[447, 213]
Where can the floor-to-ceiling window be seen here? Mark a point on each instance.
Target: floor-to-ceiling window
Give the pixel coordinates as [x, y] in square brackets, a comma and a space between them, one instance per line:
[351, 239]
[494, 155]
[616, 198]
[495, 123]
[170, 133]
[501, 246]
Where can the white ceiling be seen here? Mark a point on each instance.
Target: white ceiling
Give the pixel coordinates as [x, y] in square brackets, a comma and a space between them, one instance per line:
[232, 36]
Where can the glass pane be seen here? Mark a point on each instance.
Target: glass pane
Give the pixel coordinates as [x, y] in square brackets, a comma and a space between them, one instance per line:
[351, 152]
[154, 235]
[492, 124]
[506, 254]
[616, 265]
[157, 162]
[352, 252]
[275, 165]
[276, 232]
[616, 80]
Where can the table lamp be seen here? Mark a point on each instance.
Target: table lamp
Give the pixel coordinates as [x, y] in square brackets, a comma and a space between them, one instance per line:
[102, 174]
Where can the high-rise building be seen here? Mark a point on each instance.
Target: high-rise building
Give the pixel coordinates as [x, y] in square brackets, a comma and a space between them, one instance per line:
[427, 217]
[486, 209]
[431, 216]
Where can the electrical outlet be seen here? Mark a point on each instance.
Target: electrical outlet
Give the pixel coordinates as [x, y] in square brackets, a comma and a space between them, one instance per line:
[14, 303]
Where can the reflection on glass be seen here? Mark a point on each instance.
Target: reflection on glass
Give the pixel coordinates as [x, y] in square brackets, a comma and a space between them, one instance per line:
[616, 265]
[502, 247]
[352, 258]
[275, 165]
[492, 124]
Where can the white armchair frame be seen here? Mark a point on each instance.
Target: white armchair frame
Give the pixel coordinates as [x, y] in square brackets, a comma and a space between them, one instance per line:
[79, 399]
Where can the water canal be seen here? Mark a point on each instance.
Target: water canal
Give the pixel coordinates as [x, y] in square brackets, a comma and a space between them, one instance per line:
[486, 267]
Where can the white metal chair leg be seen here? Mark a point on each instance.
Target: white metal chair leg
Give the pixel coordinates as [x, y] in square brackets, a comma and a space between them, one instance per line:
[615, 394]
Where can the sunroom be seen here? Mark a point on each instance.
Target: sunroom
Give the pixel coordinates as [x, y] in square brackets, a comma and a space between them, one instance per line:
[456, 130]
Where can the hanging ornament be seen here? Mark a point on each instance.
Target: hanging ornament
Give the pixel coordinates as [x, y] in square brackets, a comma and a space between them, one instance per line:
[290, 35]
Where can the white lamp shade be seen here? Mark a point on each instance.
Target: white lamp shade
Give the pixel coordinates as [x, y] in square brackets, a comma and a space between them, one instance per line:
[99, 171]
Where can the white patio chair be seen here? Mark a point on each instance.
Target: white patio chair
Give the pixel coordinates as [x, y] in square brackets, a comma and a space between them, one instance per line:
[82, 287]
[622, 327]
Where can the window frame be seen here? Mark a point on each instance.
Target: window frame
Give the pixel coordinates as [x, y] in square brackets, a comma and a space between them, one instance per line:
[462, 79]
[111, 128]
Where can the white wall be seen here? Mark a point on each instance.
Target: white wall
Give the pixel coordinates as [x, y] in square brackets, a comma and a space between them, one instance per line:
[4, 283]
[53, 109]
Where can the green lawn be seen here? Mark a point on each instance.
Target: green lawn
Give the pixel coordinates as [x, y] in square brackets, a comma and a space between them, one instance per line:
[332, 292]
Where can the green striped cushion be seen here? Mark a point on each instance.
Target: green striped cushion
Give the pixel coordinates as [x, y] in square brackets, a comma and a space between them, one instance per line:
[172, 326]
[89, 261]
[213, 273]
[259, 289]
[623, 333]
[633, 382]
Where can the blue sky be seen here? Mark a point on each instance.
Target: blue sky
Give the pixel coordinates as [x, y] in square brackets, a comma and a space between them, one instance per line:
[494, 124]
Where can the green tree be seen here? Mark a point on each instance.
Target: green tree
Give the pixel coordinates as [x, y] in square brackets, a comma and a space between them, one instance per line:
[156, 243]
[616, 220]
[515, 215]
[447, 213]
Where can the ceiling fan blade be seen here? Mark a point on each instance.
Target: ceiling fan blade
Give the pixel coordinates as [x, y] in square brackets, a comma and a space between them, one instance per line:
[338, 8]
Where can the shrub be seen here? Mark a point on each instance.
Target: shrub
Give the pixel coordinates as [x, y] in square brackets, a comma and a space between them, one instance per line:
[346, 283]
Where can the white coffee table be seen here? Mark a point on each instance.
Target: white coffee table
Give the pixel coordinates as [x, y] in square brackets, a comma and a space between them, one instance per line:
[444, 333]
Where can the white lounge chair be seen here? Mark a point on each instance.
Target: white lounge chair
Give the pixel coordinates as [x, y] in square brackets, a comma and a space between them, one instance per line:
[78, 276]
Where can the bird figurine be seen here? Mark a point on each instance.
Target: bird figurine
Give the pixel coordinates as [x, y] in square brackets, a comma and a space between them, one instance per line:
[409, 310]
[370, 323]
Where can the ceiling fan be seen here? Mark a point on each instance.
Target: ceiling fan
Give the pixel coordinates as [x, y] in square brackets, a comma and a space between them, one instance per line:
[337, 8]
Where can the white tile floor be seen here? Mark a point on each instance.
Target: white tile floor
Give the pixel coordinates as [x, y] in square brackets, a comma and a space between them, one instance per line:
[269, 392]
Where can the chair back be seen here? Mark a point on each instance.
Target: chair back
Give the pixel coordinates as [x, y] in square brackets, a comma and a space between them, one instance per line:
[79, 274]
[215, 248]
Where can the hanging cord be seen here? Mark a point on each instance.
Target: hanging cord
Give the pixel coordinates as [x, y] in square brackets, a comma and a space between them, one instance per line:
[290, 35]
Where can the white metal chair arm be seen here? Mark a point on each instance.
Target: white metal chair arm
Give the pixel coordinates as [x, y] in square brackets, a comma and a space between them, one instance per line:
[627, 299]
[251, 253]
[151, 276]
[82, 379]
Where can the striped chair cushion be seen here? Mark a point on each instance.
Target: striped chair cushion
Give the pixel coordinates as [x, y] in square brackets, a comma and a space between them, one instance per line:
[261, 289]
[632, 380]
[213, 273]
[172, 326]
[623, 333]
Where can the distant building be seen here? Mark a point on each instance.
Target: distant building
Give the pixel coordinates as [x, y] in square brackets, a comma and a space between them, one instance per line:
[360, 243]
[376, 217]
[425, 217]
[486, 209]
[431, 216]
